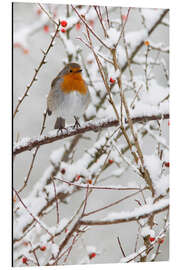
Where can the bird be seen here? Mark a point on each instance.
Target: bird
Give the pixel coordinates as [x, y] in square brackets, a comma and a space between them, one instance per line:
[69, 96]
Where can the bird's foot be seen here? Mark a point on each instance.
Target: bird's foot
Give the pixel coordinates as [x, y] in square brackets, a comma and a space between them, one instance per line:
[60, 129]
[76, 124]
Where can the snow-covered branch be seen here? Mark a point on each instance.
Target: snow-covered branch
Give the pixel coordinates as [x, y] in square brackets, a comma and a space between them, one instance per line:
[29, 143]
[141, 212]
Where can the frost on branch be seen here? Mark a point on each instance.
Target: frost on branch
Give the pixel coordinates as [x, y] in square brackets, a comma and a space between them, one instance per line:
[114, 168]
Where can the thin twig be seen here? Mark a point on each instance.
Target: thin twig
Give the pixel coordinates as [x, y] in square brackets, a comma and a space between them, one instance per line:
[112, 204]
[49, 16]
[34, 155]
[96, 187]
[122, 220]
[34, 79]
[119, 242]
[57, 206]
[89, 28]
[123, 27]
[27, 209]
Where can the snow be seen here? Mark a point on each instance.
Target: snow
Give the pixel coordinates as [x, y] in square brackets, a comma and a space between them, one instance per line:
[146, 231]
[54, 249]
[91, 249]
[113, 37]
[151, 15]
[133, 38]
[154, 167]
[161, 186]
[137, 212]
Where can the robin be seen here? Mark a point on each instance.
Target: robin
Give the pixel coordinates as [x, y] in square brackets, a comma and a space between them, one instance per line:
[69, 96]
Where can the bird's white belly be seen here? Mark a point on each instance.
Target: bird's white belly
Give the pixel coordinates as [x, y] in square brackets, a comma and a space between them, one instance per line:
[72, 104]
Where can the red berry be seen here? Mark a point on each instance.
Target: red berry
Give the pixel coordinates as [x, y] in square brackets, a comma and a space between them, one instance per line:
[166, 164]
[25, 51]
[63, 171]
[92, 255]
[151, 239]
[63, 23]
[39, 11]
[110, 161]
[78, 26]
[91, 22]
[77, 177]
[63, 30]
[66, 230]
[160, 240]
[146, 42]
[46, 28]
[124, 17]
[112, 80]
[43, 248]
[168, 123]
[24, 260]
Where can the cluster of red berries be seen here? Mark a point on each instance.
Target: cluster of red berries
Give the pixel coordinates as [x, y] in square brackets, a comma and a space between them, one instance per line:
[112, 80]
[63, 24]
[92, 255]
[160, 240]
[25, 259]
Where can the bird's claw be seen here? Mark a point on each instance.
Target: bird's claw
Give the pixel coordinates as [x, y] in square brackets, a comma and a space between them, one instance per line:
[77, 124]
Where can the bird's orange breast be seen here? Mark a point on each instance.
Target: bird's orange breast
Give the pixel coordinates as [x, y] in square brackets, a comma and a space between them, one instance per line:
[73, 82]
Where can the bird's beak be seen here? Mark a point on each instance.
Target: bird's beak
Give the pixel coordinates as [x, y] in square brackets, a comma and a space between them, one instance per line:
[80, 70]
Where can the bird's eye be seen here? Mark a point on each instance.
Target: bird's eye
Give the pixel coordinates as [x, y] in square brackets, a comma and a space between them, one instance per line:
[70, 70]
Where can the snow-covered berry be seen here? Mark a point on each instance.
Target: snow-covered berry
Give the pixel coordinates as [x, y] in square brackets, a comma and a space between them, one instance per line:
[43, 248]
[63, 171]
[112, 80]
[24, 260]
[63, 23]
[92, 255]
[151, 239]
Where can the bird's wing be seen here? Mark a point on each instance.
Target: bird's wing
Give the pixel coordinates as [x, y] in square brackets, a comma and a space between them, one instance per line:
[54, 95]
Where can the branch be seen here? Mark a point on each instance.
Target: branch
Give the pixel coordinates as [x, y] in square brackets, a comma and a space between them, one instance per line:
[29, 143]
[34, 79]
[141, 42]
[138, 213]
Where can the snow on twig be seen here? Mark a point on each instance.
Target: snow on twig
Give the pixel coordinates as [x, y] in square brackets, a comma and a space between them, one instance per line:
[136, 214]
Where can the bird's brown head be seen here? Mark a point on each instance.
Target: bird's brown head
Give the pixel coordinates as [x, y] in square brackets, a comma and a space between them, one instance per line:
[72, 79]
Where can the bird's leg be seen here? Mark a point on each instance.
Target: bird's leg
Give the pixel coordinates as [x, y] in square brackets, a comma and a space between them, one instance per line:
[76, 125]
[60, 124]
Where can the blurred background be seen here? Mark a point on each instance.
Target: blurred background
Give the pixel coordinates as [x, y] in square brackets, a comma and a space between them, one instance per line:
[28, 121]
